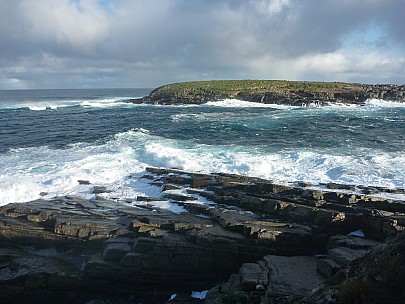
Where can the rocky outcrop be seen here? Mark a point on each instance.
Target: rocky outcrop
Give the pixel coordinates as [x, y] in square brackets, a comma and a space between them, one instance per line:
[285, 241]
[274, 279]
[376, 276]
[305, 96]
[297, 279]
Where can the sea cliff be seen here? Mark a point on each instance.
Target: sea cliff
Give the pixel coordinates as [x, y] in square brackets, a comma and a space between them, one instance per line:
[297, 93]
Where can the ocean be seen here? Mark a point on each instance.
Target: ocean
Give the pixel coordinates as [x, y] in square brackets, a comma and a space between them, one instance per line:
[51, 139]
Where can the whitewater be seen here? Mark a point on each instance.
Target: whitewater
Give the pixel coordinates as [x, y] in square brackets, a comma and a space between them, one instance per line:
[51, 139]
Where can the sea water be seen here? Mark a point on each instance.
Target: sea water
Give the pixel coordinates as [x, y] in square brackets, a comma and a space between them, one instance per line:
[51, 139]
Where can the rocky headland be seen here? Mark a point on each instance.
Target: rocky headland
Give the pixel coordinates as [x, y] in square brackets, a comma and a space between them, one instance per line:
[244, 239]
[295, 93]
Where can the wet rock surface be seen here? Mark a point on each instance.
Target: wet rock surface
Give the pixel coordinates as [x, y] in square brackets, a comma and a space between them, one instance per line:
[256, 241]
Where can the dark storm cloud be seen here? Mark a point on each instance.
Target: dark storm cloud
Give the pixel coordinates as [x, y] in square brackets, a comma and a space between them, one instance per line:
[121, 43]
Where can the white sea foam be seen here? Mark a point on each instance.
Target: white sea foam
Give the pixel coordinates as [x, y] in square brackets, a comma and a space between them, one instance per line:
[178, 117]
[36, 106]
[39, 106]
[236, 103]
[202, 116]
[226, 103]
[25, 173]
[105, 103]
[380, 103]
[56, 104]
[376, 168]
[369, 104]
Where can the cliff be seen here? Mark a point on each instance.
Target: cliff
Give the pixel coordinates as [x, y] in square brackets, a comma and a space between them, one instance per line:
[296, 93]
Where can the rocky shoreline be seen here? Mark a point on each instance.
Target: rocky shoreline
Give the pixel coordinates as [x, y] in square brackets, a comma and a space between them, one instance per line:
[284, 93]
[244, 239]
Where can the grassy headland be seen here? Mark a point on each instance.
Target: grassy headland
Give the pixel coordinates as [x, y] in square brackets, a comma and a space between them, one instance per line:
[185, 89]
[258, 86]
[272, 91]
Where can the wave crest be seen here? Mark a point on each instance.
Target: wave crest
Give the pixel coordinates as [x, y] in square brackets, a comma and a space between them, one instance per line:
[54, 105]
[381, 103]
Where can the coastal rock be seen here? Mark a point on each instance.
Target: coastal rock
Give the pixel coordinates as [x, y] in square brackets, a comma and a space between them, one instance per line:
[101, 248]
[344, 256]
[295, 276]
[377, 277]
[115, 251]
[274, 279]
[252, 275]
[351, 242]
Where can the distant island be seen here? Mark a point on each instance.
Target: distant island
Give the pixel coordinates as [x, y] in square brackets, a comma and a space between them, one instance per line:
[296, 93]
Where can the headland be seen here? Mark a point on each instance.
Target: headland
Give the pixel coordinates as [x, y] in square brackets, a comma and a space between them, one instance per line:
[294, 93]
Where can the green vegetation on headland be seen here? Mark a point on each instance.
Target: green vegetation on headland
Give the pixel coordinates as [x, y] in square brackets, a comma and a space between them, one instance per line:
[271, 91]
[184, 89]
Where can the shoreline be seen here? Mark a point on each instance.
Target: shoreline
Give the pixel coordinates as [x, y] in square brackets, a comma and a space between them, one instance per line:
[108, 250]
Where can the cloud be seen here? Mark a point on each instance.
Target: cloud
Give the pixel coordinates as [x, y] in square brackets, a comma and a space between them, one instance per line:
[117, 43]
[58, 26]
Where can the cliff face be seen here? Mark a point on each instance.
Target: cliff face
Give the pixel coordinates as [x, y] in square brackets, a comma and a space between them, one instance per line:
[387, 92]
[302, 98]
[296, 93]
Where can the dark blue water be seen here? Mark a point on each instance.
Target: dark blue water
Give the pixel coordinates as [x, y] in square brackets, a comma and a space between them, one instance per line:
[273, 129]
[50, 135]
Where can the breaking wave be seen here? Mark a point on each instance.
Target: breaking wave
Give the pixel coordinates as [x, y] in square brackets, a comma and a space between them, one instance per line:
[30, 173]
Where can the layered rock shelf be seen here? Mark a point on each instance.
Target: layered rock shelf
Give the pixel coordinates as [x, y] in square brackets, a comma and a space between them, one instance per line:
[294, 93]
[244, 239]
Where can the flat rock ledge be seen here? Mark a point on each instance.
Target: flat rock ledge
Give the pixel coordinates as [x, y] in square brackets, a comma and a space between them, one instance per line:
[246, 240]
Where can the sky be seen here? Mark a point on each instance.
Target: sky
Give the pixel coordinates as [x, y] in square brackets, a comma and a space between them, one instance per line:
[147, 43]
